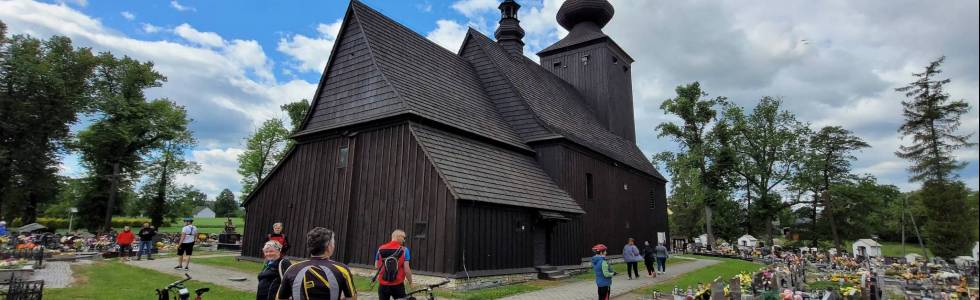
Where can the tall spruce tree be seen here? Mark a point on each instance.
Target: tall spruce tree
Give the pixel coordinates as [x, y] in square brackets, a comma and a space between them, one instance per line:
[932, 121]
[225, 204]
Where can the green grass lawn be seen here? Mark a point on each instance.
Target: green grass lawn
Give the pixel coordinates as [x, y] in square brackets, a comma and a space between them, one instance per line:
[894, 249]
[114, 280]
[621, 267]
[208, 225]
[725, 268]
[498, 292]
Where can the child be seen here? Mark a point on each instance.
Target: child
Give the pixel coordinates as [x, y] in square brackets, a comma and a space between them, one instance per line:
[603, 271]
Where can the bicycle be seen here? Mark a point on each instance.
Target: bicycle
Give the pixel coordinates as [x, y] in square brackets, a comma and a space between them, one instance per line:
[426, 290]
[182, 292]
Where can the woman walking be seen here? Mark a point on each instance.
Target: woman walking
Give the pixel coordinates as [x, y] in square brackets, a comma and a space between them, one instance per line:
[631, 255]
[649, 256]
[278, 236]
[271, 274]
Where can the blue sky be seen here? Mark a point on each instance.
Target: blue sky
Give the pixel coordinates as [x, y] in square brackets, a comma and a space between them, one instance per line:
[835, 62]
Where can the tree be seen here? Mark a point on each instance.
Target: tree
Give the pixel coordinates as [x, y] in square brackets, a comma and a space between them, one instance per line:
[44, 86]
[932, 120]
[225, 204]
[297, 112]
[831, 159]
[263, 150]
[163, 169]
[705, 146]
[768, 145]
[127, 130]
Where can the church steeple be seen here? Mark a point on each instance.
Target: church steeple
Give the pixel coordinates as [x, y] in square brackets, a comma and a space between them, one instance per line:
[509, 33]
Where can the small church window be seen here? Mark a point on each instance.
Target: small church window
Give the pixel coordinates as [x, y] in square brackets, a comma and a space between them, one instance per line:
[342, 158]
[585, 59]
[556, 64]
[615, 60]
[589, 188]
[626, 69]
[421, 228]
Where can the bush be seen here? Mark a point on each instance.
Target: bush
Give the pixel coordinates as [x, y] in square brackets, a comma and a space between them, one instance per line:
[61, 223]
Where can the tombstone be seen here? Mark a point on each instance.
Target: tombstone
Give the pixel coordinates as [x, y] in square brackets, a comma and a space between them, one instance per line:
[735, 288]
[717, 291]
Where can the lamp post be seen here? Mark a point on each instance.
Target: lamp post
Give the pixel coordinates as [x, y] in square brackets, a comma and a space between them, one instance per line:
[71, 214]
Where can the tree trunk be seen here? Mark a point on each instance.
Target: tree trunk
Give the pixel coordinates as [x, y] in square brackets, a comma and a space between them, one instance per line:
[159, 202]
[710, 231]
[813, 221]
[830, 217]
[30, 212]
[110, 205]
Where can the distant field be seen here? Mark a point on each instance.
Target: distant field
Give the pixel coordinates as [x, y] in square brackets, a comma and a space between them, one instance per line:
[208, 225]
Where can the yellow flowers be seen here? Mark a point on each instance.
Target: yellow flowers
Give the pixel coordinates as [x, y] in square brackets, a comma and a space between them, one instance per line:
[849, 291]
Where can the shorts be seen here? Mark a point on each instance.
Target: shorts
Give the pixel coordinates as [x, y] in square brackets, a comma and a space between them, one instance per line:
[185, 248]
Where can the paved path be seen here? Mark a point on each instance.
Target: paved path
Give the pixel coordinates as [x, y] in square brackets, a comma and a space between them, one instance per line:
[586, 290]
[200, 272]
[56, 274]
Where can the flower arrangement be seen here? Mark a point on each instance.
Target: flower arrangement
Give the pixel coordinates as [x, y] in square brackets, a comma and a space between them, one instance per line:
[11, 264]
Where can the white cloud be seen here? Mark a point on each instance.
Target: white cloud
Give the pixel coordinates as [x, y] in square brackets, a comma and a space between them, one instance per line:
[310, 54]
[471, 8]
[228, 89]
[82, 3]
[448, 34]
[219, 170]
[128, 15]
[150, 28]
[207, 39]
[425, 6]
[176, 5]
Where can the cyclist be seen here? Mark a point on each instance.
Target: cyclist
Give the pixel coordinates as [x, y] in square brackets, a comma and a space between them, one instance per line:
[319, 278]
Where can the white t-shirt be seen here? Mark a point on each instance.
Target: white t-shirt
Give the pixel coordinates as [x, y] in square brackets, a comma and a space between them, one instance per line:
[190, 232]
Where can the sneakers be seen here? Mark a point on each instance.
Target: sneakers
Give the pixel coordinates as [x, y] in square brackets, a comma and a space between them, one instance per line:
[178, 267]
[186, 269]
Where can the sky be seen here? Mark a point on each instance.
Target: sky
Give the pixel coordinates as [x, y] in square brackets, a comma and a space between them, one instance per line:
[834, 62]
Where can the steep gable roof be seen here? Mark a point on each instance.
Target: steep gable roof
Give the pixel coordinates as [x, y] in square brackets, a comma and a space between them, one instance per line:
[560, 107]
[477, 171]
[379, 68]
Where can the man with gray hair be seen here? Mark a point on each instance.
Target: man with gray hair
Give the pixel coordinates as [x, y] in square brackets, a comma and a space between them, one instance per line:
[319, 278]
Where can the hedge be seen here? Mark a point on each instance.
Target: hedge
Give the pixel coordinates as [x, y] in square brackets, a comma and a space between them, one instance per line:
[61, 223]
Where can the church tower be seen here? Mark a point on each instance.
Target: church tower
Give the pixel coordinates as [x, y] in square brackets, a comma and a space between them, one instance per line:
[594, 64]
[509, 32]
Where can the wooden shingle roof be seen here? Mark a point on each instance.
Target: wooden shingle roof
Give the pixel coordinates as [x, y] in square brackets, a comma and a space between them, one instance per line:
[559, 105]
[478, 171]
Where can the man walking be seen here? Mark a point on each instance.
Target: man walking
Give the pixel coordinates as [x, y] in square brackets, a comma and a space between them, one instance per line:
[318, 278]
[146, 241]
[125, 242]
[603, 271]
[662, 255]
[186, 247]
[392, 261]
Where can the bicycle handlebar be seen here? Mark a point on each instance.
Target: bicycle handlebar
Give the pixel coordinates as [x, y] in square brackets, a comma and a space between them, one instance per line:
[179, 282]
[428, 288]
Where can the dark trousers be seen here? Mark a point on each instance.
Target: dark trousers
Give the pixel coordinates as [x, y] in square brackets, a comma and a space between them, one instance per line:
[635, 267]
[662, 264]
[649, 264]
[604, 293]
[386, 292]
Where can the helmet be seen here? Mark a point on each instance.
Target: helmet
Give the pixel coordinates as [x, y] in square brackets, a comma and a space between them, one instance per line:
[599, 248]
[188, 219]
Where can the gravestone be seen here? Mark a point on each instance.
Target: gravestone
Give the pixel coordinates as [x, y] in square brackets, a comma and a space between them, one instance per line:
[717, 291]
[735, 288]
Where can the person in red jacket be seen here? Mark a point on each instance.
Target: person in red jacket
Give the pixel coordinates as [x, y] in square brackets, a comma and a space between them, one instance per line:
[278, 236]
[125, 242]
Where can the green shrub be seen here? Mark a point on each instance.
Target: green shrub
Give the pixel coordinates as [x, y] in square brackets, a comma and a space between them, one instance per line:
[61, 223]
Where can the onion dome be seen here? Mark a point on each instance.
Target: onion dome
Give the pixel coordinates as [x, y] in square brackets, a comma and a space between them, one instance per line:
[573, 12]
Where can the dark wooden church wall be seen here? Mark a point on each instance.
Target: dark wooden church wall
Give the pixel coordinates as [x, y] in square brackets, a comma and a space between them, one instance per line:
[614, 213]
[398, 188]
[494, 237]
[388, 184]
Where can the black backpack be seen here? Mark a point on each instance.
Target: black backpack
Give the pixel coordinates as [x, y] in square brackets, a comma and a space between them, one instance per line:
[389, 265]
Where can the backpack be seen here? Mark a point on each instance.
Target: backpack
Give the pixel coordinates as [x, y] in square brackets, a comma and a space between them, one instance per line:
[315, 281]
[390, 265]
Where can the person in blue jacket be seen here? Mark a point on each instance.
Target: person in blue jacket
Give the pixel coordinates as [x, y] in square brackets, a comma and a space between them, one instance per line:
[603, 271]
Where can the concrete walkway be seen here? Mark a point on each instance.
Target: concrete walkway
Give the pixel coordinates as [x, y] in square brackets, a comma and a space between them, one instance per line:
[200, 272]
[621, 287]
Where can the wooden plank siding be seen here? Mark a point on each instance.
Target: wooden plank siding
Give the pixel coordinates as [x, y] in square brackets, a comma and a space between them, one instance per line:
[614, 214]
[387, 184]
[494, 237]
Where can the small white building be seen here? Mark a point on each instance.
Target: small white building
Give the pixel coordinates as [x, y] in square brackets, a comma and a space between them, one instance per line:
[748, 241]
[702, 239]
[866, 247]
[203, 212]
[913, 257]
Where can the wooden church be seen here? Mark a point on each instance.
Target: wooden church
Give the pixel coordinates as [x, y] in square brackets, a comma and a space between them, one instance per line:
[491, 162]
